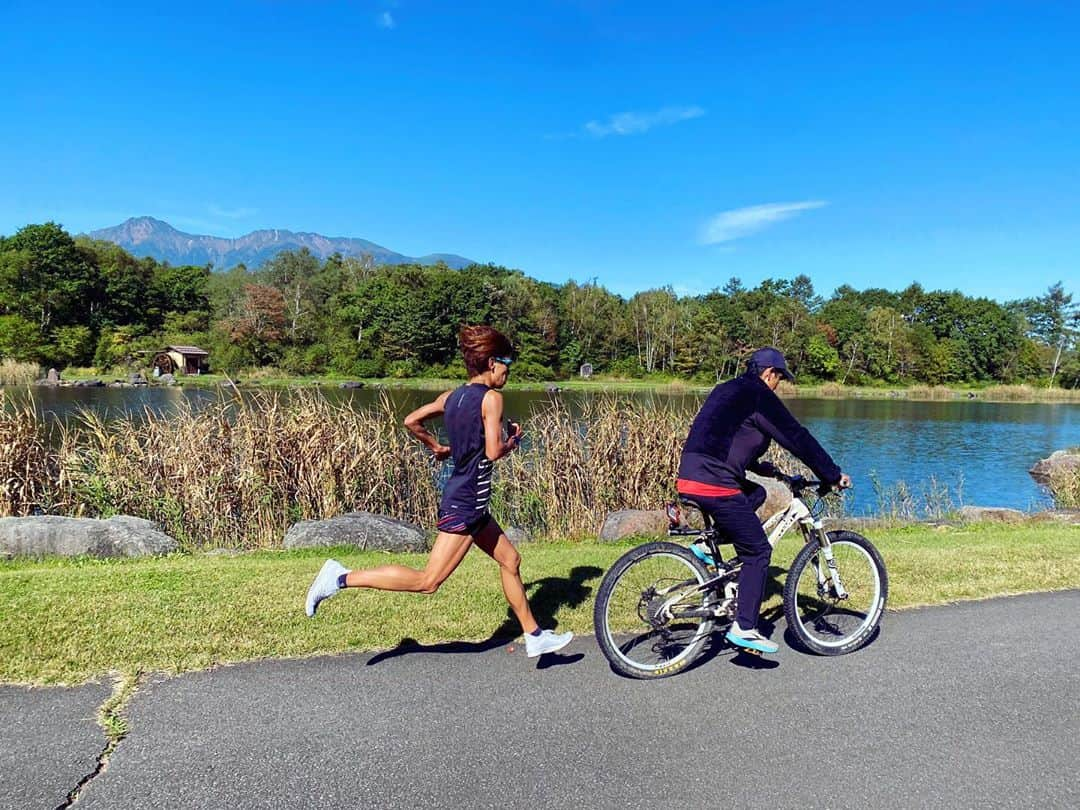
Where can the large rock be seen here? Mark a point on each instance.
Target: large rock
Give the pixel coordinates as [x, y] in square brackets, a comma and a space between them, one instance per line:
[654, 522]
[360, 529]
[777, 497]
[631, 522]
[516, 535]
[990, 514]
[1069, 516]
[120, 536]
[1059, 461]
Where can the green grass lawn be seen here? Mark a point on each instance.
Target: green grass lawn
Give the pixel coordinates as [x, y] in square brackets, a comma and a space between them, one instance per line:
[67, 621]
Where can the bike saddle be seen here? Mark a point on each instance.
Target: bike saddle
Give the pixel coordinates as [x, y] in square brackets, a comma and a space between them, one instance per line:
[687, 500]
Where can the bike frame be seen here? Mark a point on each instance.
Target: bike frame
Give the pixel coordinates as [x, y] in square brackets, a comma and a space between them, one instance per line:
[798, 512]
[775, 527]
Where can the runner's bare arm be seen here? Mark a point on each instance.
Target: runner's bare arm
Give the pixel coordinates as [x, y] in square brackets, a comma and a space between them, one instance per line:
[492, 411]
[415, 423]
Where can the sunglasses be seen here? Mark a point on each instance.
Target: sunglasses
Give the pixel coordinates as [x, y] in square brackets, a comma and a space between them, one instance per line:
[506, 361]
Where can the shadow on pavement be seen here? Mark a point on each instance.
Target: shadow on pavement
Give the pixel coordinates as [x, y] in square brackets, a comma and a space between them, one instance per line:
[546, 597]
[793, 641]
[558, 660]
[747, 660]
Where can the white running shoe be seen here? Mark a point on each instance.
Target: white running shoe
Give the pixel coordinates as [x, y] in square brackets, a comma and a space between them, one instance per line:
[546, 642]
[324, 586]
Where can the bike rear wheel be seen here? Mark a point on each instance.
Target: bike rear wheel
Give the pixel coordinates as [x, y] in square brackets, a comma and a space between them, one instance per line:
[652, 616]
[821, 619]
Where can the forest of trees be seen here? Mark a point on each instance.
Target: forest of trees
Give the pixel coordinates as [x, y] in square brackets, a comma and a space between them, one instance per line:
[68, 301]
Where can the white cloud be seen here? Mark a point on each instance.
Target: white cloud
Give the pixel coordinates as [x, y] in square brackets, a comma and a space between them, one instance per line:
[634, 123]
[386, 20]
[740, 222]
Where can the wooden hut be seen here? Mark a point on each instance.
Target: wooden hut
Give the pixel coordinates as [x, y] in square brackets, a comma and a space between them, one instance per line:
[182, 360]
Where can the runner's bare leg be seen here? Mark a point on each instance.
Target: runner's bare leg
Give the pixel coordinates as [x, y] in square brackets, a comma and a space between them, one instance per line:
[494, 542]
[446, 555]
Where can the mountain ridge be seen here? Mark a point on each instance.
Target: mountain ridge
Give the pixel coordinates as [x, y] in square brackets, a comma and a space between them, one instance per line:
[147, 236]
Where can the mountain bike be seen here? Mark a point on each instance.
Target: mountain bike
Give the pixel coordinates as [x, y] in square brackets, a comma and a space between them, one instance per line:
[659, 603]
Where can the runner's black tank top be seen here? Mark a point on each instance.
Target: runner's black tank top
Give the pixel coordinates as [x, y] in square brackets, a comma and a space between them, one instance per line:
[468, 490]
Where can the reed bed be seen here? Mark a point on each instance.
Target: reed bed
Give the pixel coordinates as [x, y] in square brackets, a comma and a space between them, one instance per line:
[239, 472]
[31, 481]
[12, 372]
[617, 454]
[1064, 486]
[993, 393]
[931, 392]
[832, 390]
[1029, 393]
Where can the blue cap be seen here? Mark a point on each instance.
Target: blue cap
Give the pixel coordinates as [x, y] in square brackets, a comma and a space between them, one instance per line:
[768, 357]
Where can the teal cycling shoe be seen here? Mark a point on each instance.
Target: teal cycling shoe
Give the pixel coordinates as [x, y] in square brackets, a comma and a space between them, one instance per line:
[750, 640]
[702, 553]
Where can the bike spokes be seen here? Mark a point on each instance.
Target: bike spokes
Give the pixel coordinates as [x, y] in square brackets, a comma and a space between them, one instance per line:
[657, 613]
[837, 601]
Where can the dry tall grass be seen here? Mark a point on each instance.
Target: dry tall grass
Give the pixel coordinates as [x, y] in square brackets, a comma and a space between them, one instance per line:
[1064, 486]
[1029, 393]
[30, 478]
[832, 390]
[618, 454]
[238, 473]
[12, 372]
[931, 392]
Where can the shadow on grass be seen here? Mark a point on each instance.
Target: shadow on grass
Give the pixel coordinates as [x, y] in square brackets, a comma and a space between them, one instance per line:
[546, 597]
[774, 586]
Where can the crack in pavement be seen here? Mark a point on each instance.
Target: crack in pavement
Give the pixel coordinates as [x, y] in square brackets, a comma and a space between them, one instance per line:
[112, 719]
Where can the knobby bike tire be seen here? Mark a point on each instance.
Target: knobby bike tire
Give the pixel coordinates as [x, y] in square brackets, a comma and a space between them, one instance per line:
[819, 622]
[675, 644]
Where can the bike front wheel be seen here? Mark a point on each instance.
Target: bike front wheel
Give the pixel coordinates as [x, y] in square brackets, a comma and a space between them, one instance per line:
[833, 610]
[652, 614]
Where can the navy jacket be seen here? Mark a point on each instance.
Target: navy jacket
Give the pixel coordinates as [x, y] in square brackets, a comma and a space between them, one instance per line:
[733, 430]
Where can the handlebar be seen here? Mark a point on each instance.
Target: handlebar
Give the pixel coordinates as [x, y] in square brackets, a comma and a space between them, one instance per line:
[798, 483]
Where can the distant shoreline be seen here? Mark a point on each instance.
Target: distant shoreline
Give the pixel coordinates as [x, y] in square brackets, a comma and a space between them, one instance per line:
[828, 390]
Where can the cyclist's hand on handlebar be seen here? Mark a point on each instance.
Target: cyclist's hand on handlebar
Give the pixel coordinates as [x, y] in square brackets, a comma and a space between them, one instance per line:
[844, 482]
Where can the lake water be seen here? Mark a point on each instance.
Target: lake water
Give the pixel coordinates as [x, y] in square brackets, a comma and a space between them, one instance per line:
[979, 451]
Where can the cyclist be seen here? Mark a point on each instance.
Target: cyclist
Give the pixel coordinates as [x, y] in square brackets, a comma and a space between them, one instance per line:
[729, 435]
[473, 416]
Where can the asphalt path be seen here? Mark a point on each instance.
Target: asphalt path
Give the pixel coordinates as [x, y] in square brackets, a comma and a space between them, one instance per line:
[969, 705]
[49, 741]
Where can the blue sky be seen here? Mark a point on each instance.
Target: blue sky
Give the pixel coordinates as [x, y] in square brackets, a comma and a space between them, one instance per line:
[640, 145]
